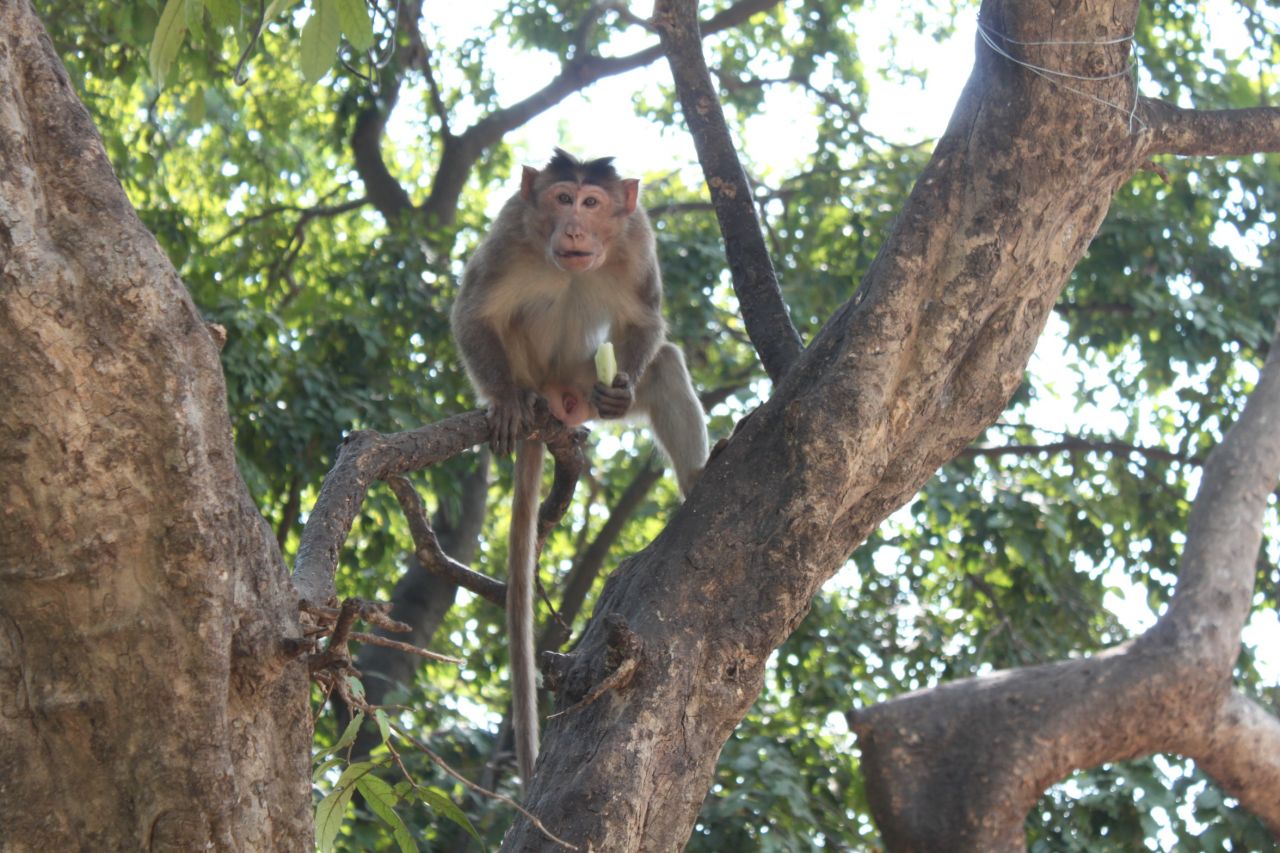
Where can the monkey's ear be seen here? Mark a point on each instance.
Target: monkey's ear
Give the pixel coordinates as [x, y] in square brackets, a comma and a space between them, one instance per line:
[526, 183]
[630, 194]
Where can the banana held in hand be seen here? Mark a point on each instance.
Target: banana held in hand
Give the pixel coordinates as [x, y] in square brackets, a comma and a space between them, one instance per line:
[606, 364]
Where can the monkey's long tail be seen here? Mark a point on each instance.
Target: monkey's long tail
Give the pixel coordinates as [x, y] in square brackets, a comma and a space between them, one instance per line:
[521, 564]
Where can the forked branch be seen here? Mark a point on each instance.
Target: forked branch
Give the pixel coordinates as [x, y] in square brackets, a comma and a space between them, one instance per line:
[958, 766]
[566, 449]
[367, 456]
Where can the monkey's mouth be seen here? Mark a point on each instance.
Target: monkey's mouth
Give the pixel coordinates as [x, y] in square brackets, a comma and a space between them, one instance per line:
[575, 260]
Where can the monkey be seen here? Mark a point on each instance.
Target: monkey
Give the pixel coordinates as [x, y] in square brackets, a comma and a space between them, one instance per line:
[569, 263]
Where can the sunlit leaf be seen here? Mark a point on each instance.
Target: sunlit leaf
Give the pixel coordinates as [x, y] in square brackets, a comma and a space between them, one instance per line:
[320, 36]
[225, 13]
[382, 799]
[329, 816]
[440, 803]
[384, 725]
[354, 18]
[348, 735]
[168, 39]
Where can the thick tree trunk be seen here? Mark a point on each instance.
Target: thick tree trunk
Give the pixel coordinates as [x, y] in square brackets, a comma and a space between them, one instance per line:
[908, 373]
[144, 606]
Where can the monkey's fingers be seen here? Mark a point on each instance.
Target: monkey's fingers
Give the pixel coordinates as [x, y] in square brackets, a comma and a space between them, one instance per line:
[499, 435]
[612, 401]
[505, 422]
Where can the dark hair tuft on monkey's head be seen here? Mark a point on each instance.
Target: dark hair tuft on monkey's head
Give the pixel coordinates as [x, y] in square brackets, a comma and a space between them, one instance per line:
[565, 167]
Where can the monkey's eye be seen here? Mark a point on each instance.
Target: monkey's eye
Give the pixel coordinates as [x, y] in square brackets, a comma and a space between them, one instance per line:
[590, 201]
[564, 198]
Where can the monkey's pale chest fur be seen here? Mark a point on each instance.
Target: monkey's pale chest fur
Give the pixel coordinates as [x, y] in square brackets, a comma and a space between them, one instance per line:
[551, 322]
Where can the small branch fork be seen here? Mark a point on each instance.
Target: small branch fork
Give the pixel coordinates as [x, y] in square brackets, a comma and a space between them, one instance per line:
[364, 458]
[566, 449]
[367, 456]
[330, 666]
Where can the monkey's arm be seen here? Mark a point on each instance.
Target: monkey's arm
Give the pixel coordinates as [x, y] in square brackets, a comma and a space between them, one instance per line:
[634, 345]
[510, 407]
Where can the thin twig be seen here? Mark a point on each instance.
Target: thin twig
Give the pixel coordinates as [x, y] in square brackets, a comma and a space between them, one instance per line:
[387, 643]
[484, 792]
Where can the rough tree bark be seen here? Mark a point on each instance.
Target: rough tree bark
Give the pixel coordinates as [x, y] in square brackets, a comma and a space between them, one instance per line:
[901, 379]
[146, 699]
[146, 615]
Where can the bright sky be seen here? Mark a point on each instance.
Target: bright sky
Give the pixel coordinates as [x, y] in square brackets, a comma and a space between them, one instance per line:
[601, 121]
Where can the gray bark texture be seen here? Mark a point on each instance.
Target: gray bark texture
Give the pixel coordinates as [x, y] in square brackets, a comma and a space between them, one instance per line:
[145, 699]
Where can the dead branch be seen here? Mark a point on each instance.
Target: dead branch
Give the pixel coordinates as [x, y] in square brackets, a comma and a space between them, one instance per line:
[376, 640]
[570, 460]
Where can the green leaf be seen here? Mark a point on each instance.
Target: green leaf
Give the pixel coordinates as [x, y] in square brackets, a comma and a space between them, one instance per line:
[320, 37]
[439, 802]
[225, 13]
[354, 773]
[381, 799]
[197, 106]
[354, 18]
[195, 17]
[324, 767]
[276, 7]
[404, 838]
[357, 689]
[348, 735]
[384, 725]
[329, 814]
[170, 32]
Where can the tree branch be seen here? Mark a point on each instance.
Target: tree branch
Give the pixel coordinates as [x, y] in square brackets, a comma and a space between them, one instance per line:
[432, 556]
[586, 568]
[958, 766]
[306, 215]
[366, 457]
[421, 598]
[1240, 749]
[763, 311]
[386, 193]
[1213, 133]
[1215, 583]
[462, 151]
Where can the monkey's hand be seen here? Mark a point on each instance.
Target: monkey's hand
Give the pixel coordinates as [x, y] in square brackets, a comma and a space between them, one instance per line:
[614, 401]
[507, 418]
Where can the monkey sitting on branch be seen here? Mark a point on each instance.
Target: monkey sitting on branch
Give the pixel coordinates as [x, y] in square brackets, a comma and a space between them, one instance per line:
[569, 264]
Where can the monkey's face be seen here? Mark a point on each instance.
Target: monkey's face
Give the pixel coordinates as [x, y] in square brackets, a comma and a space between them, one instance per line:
[584, 221]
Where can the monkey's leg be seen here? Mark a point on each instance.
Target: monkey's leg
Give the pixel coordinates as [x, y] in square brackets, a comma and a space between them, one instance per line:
[665, 393]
